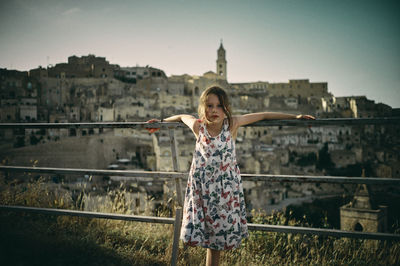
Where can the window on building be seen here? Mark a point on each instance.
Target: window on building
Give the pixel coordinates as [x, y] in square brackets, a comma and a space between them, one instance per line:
[137, 202]
[72, 132]
[358, 227]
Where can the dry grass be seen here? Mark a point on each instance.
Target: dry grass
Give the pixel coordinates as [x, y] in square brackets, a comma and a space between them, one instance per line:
[34, 239]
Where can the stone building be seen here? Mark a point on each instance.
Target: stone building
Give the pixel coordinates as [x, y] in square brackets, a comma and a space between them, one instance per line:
[295, 88]
[343, 158]
[28, 109]
[18, 96]
[134, 74]
[89, 66]
[13, 84]
[106, 113]
[9, 110]
[362, 214]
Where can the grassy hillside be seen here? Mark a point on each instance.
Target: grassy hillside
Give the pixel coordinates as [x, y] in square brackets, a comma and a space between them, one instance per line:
[33, 239]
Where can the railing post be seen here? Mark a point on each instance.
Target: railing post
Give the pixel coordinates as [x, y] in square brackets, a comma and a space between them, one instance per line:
[179, 207]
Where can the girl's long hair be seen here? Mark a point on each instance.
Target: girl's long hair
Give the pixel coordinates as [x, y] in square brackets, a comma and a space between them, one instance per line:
[223, 100]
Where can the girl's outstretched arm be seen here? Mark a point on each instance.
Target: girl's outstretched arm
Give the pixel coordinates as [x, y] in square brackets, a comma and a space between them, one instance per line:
[241, 120]
[189, 120]
[246, 119]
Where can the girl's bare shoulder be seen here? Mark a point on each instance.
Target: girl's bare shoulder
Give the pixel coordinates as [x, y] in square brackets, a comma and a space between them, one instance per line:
[235, 125]
[194, 125]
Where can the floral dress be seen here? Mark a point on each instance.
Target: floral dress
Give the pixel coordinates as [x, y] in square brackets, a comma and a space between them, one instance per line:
[214, 214]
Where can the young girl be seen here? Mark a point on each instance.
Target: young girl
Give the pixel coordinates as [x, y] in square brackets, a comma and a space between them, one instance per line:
[214, 214]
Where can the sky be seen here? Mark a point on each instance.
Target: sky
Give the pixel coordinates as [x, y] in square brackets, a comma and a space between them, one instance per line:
[353, 45]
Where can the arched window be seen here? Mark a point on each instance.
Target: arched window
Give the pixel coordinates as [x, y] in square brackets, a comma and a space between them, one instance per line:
[358, 227]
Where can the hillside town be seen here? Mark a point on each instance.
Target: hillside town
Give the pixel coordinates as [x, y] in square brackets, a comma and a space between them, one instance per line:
[90, 89]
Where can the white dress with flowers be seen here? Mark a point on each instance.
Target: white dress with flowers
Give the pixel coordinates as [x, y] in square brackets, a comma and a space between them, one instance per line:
[214, 214]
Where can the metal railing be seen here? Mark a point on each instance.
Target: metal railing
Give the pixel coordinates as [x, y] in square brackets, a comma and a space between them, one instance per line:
[317, 122]
[178, 176]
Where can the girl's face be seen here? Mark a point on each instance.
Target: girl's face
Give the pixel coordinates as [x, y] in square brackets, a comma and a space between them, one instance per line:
[214, 110]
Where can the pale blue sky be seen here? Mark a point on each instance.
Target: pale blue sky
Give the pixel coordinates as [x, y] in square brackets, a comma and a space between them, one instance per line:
[353, 45]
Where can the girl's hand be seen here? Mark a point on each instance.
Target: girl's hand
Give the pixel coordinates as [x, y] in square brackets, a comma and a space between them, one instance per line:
[306, 117]
[152, 130]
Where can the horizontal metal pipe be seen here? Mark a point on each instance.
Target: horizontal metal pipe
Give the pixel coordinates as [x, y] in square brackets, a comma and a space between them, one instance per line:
[141, 125]
[113, 216]
[322, 179]
[323, 231]
[50, 170]
[330, 121]
[252, 227]
[172, 175]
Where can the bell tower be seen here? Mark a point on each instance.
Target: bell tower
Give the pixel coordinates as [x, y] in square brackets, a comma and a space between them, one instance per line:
[221, 62]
